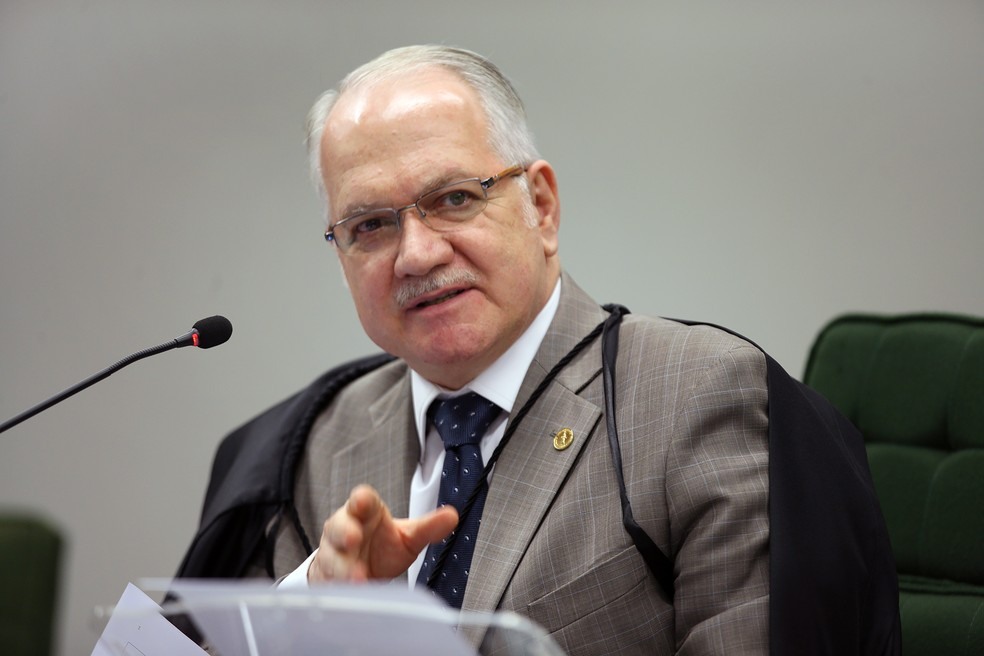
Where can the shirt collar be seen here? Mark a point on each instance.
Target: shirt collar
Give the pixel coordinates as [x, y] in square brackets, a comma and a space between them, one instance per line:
[500, 382]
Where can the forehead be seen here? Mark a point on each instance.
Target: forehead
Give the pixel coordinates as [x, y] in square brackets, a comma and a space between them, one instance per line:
[389, 140]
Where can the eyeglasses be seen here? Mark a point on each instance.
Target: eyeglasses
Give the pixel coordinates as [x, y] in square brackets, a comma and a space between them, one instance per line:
[444, 209]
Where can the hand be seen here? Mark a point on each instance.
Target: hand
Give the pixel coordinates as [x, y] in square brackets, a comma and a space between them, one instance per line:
[362, 541]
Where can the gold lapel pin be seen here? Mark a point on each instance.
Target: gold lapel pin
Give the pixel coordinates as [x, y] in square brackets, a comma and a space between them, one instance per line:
[563, 438]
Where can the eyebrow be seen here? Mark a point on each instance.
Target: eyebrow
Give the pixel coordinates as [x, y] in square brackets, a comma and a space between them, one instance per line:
[429, 185]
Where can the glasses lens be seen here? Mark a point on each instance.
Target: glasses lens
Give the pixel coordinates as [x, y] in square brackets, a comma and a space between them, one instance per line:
[367, 232]
[448, 206]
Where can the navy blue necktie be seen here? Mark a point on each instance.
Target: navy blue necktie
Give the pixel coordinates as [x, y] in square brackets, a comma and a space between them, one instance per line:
[461, 422]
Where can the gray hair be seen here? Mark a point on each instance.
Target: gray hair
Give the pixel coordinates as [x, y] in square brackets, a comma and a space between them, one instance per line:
[509, 134]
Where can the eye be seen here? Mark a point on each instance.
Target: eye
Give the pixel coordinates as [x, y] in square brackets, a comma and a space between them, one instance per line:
[367, 225]
[368, 230]
[455, 200]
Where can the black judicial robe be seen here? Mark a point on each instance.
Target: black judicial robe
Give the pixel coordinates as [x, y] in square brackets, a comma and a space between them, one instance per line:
[833, 586]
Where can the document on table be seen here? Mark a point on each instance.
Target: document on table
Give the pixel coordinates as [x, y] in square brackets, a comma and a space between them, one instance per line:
[137, 628]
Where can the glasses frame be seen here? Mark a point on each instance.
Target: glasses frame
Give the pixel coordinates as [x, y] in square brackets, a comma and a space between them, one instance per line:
[487, 183]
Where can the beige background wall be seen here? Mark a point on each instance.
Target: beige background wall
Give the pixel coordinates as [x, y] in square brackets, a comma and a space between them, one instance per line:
[765, 165]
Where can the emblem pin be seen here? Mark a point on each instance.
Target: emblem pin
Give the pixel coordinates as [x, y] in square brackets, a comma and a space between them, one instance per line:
[563, 438]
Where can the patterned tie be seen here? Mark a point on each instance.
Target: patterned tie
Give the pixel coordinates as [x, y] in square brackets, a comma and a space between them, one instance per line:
[461, 423]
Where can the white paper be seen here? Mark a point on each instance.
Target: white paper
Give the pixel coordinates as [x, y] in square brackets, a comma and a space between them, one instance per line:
[136, 628]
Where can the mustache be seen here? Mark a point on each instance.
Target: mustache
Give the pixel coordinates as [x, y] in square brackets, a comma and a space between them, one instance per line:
[413, 289]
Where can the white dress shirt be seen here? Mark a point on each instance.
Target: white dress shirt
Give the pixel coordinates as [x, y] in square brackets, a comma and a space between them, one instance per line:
[499, 383]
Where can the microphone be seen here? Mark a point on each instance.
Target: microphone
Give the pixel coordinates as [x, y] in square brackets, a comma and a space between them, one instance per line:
[206, 333]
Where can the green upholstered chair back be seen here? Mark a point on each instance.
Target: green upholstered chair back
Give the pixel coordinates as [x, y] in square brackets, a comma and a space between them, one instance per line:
[914, 386]
[29, 560]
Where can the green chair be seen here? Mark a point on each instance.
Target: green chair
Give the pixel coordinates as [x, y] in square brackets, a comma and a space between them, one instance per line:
[29, 560]
[914, 386]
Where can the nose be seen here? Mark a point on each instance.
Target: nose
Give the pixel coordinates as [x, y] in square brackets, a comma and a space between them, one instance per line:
[421, 248]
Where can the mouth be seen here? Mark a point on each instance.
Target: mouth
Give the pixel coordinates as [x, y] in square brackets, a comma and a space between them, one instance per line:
[438, 287]
[438, 299]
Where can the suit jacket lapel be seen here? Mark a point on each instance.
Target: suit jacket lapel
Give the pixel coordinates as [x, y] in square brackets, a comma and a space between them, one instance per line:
[531, 471]
[385, 457]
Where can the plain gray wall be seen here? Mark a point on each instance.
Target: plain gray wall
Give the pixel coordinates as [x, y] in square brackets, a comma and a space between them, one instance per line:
[764, 165]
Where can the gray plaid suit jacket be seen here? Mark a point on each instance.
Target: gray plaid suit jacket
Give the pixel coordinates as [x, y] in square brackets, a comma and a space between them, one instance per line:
[692, 417]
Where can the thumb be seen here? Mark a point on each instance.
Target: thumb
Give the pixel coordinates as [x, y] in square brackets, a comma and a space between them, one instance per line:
[429, 528]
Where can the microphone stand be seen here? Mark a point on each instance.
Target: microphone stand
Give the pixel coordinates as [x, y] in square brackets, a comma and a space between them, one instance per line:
[187, 339]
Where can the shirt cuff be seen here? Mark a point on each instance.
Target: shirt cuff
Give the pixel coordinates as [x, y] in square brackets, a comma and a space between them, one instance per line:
[297, 580]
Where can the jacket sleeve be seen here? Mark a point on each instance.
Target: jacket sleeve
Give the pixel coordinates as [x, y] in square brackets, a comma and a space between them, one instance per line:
[717, 488]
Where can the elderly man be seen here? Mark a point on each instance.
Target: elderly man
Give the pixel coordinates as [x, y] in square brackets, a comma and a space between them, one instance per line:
[479, 460]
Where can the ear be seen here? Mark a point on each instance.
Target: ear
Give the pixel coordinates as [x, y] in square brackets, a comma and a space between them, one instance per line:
[543, 189]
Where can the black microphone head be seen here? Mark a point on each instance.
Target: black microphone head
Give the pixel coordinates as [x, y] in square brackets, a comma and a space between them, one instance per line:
[212, 331]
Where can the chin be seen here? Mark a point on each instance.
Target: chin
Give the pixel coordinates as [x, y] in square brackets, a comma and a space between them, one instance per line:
[451, 357]
[450, 366]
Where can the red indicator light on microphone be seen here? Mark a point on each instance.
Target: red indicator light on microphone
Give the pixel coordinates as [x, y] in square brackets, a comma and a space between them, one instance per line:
[194, 338]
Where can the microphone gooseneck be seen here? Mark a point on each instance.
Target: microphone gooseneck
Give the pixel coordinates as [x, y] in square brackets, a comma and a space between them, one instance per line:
[206, 333]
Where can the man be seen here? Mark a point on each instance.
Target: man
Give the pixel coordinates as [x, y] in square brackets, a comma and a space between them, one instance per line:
[445, 221]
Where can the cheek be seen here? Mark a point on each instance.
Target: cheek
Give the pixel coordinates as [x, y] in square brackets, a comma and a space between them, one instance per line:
[518, 256]
[366, 286]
